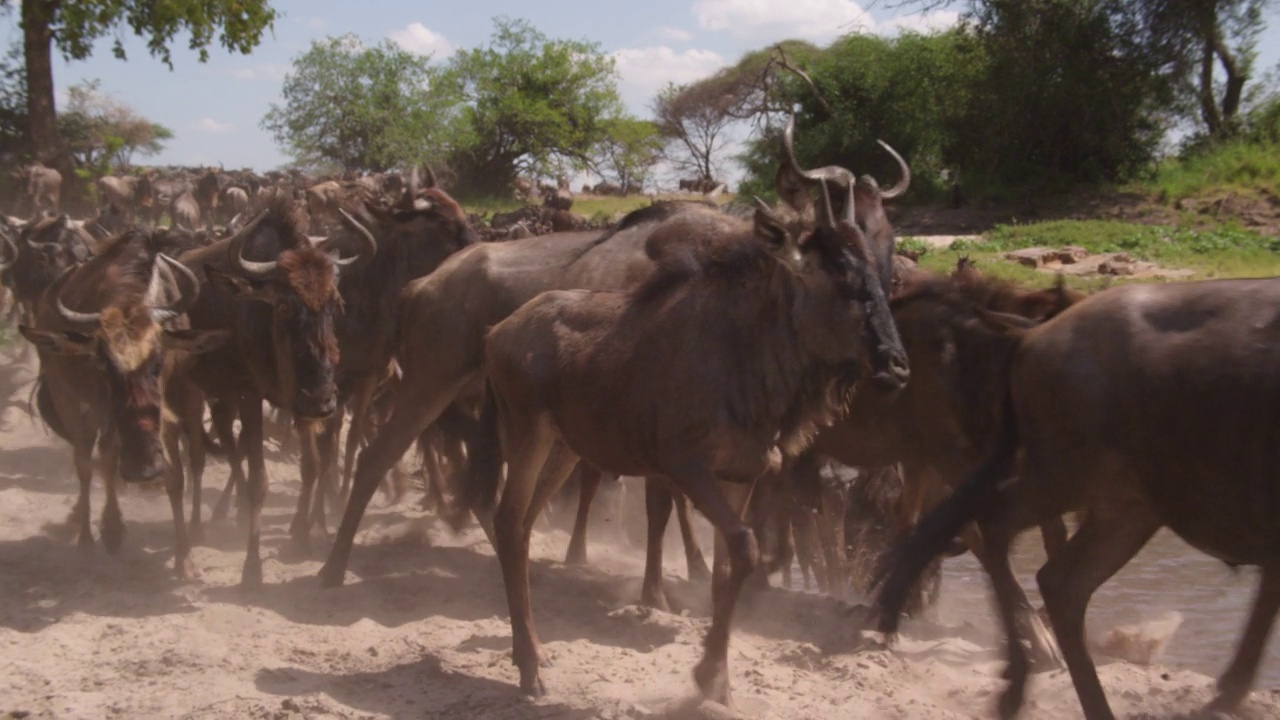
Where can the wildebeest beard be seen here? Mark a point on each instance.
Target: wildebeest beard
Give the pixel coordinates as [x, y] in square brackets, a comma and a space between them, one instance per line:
[313, 359]
[135, 417]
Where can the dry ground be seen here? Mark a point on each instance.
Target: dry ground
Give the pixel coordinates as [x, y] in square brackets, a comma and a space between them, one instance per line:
[420, 630]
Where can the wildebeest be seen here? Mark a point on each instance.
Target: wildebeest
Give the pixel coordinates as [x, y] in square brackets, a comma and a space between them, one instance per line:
[280, 309]
[43, 249]
[443, 319]
[101, 330]
[184, 211]
[1143, 406]
[130, 193]
[558, 199]
[761, 339]
[44, 188]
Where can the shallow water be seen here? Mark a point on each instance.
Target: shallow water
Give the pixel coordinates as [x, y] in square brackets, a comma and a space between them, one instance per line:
[1168, 575]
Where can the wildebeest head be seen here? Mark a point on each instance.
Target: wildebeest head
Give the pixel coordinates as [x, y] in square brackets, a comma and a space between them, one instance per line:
[300, 286]
[42, 250]
[127, 337]
[424, 211]
[863, 193]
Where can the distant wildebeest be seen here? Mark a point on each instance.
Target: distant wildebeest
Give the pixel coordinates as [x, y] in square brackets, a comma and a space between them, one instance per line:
[102, 330]
[208, 192]
[130, 194]
[184, 211]
[558, 199]
[761, 339]
[235, 202]
[1144, 406]
[44, 188]
[279, 308]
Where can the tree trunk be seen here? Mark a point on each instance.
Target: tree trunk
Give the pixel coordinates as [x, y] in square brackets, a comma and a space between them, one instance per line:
[42, 119]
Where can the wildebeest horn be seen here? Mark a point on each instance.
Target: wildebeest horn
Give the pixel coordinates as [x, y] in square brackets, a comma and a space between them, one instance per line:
[430, 180]
[81, 322]
[162, 279]
[905, 182]
[368, 245]
[8, 252]
[235, 250]
[833, 173]
[825, 202]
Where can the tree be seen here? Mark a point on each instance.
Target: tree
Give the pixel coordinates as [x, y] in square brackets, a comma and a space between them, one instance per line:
[528, 103]
[628, 151]
[695, 120]
[102, 133]
[74, 25]
[362, 108]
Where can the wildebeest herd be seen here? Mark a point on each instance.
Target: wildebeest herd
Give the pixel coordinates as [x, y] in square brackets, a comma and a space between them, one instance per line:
[725, 357]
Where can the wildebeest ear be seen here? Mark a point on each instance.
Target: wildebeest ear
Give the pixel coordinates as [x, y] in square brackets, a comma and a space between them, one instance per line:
[768, 227]
[242, 286]
[65, 343]
[195, 341]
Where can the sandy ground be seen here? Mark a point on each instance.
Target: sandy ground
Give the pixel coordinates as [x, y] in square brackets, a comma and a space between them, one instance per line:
[420, 630]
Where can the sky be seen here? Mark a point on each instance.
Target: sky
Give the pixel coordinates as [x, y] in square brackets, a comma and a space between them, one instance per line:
[215, 108]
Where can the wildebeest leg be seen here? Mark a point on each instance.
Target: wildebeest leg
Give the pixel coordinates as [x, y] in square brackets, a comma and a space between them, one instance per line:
[188, 404]
[256, 489]
[724, 505]
[590, 483]
[112, 519]
[830, 522]
[224, 417]
[1236, 681]
[658, 501]
[300, 528]
[407, 422]
[327, 435]
[1102, 545]
[358, 432]
[992, 551]
[536, 467]
[694, 560]
[1054, 534]
[183, 567]
[83, 458]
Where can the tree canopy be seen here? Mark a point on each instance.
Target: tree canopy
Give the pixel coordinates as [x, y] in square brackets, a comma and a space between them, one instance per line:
[527, 103]
[102, 133]
[361, 108]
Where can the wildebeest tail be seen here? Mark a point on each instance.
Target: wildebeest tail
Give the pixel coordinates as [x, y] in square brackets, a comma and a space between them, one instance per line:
[933, 535]
[484, 459]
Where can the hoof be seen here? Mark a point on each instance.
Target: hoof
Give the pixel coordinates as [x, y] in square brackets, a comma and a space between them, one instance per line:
[112, 538]
[534, 687]
[195, 534]
[332, 577]
[656, 599]
[187, 571]
[713, 682]
[251, 577]
[698, 571]
[1010, 702]
[85, 543]
[576, 556]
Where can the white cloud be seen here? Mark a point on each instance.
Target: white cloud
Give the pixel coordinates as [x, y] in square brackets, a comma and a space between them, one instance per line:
[675, 34]
[923, 23]
[418, 38]
[757, 20]
[642, 72]
[210, 125]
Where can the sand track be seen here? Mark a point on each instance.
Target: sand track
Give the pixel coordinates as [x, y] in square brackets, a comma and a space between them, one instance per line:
[420, 629]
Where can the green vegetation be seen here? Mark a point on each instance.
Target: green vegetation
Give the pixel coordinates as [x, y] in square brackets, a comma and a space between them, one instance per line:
[1220, 252]
[1247, 164]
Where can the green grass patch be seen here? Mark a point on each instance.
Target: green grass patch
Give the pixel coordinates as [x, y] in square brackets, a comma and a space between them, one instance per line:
[1235, 167]
[1220, 252]
[591, 207]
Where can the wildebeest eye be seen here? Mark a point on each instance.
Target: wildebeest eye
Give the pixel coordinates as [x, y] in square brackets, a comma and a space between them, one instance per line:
[283, 309]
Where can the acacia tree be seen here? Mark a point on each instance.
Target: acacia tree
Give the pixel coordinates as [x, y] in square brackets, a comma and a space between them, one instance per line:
[101, 133]
[74, 25]
[362, 108]
[695, 120]
[628, 151]
[527, 103]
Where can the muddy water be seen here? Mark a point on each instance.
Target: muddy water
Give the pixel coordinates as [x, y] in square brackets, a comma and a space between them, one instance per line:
[1166, 576]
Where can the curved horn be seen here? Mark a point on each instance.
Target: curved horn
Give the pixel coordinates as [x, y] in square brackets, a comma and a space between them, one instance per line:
[162, 275]
[430, 180]
[833, 173]
[8, 252]
[81, 322]
[905, 182]
[828, 216]
[368, 245]
[250, 268]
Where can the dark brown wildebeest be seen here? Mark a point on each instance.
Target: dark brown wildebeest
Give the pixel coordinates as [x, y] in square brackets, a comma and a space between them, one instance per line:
[443, 319]
[559, 199]
[44, 188]
[414, 238]
[761, 339]
[208, 194]
[280, 309]
[102, 329]
[1144, 406]
[43, 249]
